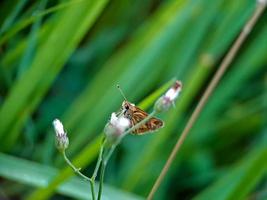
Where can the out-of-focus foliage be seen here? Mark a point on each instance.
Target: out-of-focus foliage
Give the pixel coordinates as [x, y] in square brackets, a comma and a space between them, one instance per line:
[64, 58]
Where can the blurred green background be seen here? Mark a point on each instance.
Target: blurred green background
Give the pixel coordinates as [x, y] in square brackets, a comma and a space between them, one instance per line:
[64, 58]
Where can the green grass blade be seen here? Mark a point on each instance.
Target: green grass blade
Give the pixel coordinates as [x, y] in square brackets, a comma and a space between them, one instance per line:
[37, 175]
[50, 58]
[241, 179]
[32, 43]
[11, 18]
[28, 21]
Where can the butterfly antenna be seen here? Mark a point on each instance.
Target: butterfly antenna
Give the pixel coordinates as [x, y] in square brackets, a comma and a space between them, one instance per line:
[119, 88]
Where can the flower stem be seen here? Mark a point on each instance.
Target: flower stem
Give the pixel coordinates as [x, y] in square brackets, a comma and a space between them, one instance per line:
[77, 171]
[101, 181]
[98, 160]
[92, 185]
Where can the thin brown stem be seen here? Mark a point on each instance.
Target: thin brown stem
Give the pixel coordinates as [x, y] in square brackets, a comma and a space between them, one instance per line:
[212, 85]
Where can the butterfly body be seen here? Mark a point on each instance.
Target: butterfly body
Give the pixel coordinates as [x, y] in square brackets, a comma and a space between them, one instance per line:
[136, 115]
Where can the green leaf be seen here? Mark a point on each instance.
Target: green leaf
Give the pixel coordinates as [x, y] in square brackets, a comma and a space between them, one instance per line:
[29, 20]
[37, 175]
[65, 35]
[11, 18]
[237, 182]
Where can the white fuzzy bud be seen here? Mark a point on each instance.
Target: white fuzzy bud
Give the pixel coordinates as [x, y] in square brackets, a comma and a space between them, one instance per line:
[62, 140]
[116, 127]
[167, 100]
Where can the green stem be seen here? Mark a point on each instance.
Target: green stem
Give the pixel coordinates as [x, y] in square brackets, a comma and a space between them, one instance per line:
[113, 147]
[77, 171]
[101, 181]
[92, 185]
[98, 160]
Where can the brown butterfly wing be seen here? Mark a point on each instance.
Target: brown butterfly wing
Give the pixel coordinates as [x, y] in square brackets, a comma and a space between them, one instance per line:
[151, 125]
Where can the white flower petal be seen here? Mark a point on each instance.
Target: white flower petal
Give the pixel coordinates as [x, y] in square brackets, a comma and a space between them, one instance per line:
[124, 122]
[172, 93]
[58, 126]
[113, 119]
[116, 126]
[167, 100]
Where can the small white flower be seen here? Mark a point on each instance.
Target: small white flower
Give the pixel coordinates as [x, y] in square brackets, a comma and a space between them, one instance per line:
[165, 101]
[120, 122]
[62, 140]
[174, 91]
[58, 127]
[116, 127]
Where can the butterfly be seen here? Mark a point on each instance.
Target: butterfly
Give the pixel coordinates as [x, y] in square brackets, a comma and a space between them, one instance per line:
[136, 115]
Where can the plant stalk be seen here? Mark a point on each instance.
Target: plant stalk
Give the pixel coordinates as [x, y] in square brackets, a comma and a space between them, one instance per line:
[77, 171]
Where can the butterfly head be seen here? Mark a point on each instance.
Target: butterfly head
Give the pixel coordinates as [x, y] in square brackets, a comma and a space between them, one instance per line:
[127, 109]
[126, 105]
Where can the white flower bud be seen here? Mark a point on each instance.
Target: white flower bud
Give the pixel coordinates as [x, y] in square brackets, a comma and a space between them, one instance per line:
[264, 2]
[58, 127]
[167, 100]
[62, 140]
[116, 127]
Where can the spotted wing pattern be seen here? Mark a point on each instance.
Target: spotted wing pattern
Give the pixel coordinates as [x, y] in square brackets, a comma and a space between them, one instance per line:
[150, 126]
